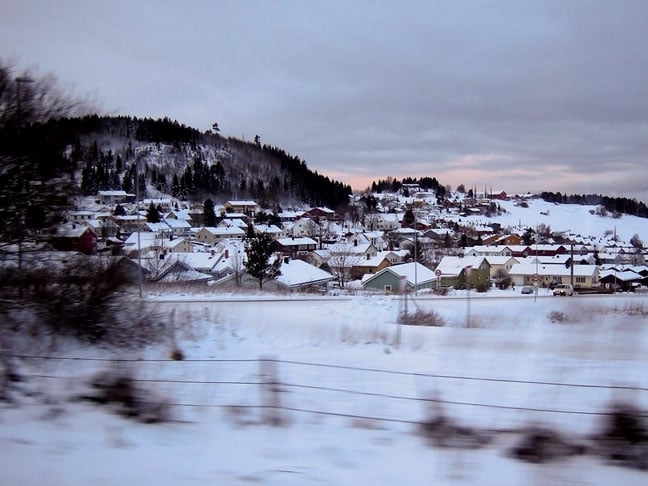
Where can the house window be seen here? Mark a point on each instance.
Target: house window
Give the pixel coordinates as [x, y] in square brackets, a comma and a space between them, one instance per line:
[388, 288]
[581, 279]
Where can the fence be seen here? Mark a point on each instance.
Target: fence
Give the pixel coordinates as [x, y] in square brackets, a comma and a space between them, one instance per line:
[277, 389]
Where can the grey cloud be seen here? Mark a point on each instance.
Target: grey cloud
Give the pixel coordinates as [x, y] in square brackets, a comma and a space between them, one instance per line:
[509, 91]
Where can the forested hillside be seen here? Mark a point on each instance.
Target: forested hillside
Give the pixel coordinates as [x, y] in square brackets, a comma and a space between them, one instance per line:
[185, 163]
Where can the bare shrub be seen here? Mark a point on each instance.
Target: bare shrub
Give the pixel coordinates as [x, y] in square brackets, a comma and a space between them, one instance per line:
[81, 296]
[483, 286]
[541, 445]
[636, 309]
[9, 376]
[422, 318]
[443, 431]
[623, 438]
[119, 390]
[176, 354]
[558, 317]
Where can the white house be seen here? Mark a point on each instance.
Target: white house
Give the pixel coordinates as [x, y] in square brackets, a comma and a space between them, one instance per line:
[585, 276]
[213, 235]
[299, 275]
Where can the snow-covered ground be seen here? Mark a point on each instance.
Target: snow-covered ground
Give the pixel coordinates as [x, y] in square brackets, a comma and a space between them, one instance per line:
[578, 222]
[352, 385]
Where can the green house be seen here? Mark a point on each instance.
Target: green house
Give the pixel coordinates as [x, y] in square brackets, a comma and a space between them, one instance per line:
[396, 278]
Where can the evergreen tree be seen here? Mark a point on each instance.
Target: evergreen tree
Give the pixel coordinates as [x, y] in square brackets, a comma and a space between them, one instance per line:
[209, 216]
[153, 214]
[258, 263]
[175, 186]
[409, 220]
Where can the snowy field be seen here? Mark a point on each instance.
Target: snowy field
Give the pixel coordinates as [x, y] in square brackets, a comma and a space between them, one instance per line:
[352, 385]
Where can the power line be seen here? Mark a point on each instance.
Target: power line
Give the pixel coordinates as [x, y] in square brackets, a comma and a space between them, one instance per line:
[339, 367]
[343, 391]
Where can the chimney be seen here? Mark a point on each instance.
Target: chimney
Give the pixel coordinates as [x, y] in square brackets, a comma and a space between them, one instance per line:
[226, 253]
[212, 252]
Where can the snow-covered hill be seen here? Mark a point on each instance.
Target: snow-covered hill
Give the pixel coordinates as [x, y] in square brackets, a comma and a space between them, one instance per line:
[577, 222]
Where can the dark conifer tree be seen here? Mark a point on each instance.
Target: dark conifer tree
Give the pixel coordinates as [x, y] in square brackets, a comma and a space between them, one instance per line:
[153, 214]
[209, 216]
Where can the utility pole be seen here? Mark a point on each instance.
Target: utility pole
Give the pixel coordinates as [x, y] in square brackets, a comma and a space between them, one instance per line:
[571, 265]
[137, 215]
[468, 272]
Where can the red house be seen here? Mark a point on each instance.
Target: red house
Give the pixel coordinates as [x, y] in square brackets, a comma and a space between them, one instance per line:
[75, 238]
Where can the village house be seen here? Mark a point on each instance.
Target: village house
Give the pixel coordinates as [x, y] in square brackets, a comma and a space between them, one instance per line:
[204, 262]
[249, 208]
[304, 227]
[234, 223]
[213, 235]
[289, 216]
[80, 216]
[163, 204]
[487, 250]
[410, 277]
[622, 277]
[504, 240]
[161, 228]
[271, 230]
[148, 242]
[369, 265]
[299, 275]
[291, 247]
[321, 214]
[130, 223]
[75, 237]
[585, 276]
[540, 250]
[383, 221]
[179, 227]
[499, 264]
[112, 198]
[453, 271]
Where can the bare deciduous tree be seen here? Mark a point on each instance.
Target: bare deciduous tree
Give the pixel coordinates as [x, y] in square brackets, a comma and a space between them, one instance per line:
[343, 259]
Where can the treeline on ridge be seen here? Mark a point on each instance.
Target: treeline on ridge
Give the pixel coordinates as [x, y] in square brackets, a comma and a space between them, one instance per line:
[622, 205]
[394, 185]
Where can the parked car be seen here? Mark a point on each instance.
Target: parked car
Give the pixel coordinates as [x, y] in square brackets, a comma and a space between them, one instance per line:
[563, 290]
[527, 289]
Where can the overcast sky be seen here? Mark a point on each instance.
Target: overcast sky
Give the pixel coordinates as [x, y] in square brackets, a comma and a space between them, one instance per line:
[514, 95]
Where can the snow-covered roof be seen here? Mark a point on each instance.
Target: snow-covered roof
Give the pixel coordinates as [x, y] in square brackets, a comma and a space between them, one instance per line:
[160, 227]
[73, 231]
[500, 260]
[296, 241]
[297, 273]
[146, 238]
[224, 230]
[413, 272]
[624, 276]
[453, 265]
[549, 260]
[177, 223]
[553, 270]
